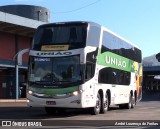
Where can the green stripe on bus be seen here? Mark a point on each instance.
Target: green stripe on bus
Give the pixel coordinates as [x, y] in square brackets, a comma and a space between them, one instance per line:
[49, 91]
[110, 59]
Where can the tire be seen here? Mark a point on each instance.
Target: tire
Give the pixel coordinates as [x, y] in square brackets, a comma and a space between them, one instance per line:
[50, 110]
[96, 110]
[130, 104]
[133, 101]
[105, 104]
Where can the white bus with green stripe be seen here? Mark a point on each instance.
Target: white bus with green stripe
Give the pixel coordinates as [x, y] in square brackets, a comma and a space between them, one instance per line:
[82, 65]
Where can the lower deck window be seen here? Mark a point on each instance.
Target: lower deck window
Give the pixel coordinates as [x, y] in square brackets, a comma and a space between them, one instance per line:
[114, 76]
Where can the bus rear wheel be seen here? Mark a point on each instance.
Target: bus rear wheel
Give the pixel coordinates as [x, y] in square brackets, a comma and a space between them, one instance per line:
[131, 102]
[105, 104]
[96, 110]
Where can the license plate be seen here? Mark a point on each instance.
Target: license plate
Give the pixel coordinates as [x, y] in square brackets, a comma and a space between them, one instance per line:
[51, 102]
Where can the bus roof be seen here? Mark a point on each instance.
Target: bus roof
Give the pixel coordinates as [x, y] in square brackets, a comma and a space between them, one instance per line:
[70, 22]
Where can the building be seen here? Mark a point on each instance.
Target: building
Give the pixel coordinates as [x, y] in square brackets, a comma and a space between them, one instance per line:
[17, 27]
[151, 73]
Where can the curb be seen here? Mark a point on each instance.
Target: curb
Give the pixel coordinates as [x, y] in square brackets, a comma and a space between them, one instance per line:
[13, 100]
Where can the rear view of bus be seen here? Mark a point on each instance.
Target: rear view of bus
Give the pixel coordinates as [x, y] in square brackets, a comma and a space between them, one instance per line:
[65, 70]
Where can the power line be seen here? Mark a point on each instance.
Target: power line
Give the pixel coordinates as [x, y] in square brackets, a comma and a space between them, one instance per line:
[70, 11]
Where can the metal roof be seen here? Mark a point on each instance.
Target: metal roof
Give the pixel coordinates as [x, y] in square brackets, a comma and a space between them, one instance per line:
[18, 25]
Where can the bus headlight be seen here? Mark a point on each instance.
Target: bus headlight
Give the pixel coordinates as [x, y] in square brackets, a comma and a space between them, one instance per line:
[30, 92]
[75, 93]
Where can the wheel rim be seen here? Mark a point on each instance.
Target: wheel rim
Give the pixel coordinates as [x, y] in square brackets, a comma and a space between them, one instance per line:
[130, 102]
[106, 102]
[98, 103]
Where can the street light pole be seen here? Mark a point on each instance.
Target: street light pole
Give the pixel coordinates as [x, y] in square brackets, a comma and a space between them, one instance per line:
[17, 81]
[18, 62]
[17, 74]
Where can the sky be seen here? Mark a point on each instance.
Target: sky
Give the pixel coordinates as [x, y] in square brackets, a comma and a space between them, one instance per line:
[138, 21]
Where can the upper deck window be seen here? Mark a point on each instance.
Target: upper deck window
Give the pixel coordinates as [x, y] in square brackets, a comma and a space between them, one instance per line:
[61, 34]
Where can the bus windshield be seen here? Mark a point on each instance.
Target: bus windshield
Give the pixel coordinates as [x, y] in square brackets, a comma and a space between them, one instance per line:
[58, 70]
[72, 35]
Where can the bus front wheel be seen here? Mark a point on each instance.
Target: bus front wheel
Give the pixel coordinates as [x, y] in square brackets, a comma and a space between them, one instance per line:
[96, 110]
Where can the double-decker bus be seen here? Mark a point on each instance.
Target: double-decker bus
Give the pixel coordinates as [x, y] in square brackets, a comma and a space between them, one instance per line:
[82, 65]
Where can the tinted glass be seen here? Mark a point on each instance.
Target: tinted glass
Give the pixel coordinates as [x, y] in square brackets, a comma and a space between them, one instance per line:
[114, 76]
[118, 46]
[60, 70]
[72, 35]
[93, 36]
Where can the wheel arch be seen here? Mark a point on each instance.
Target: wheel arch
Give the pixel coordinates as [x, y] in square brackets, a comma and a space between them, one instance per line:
[131, 92]
[108, 92]
[101, 94]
